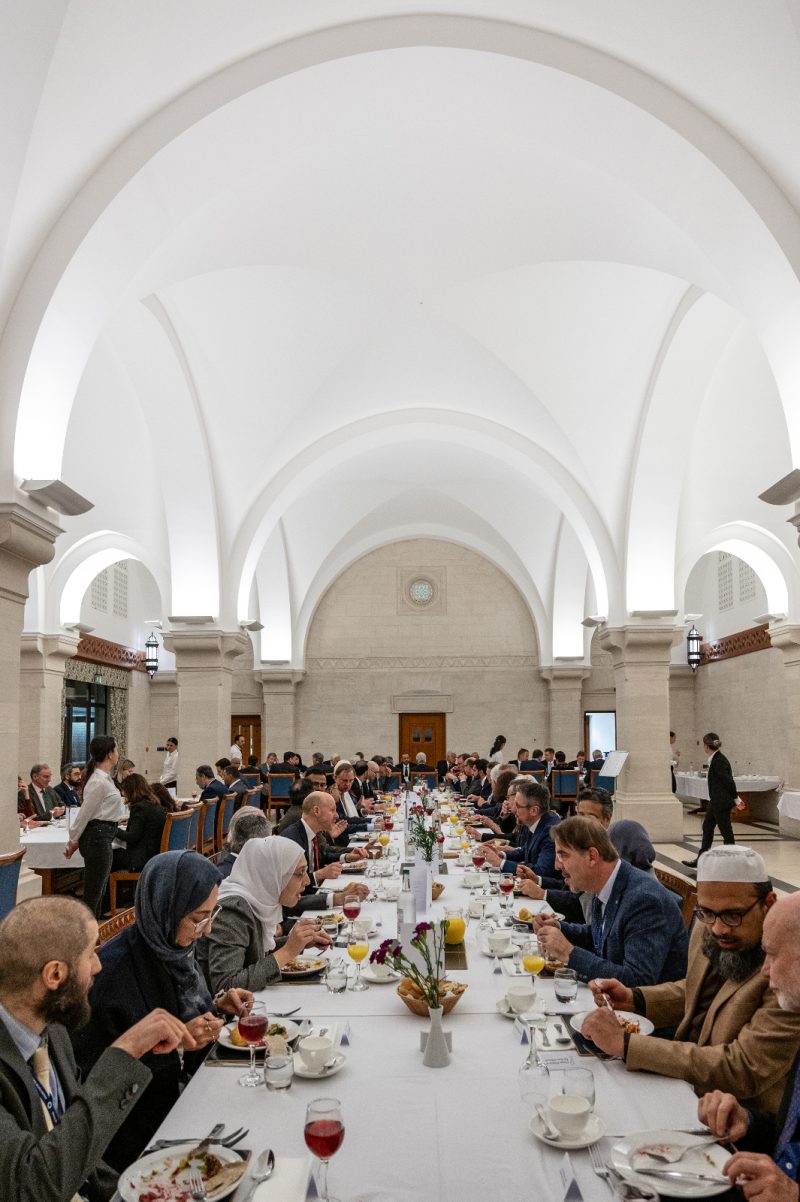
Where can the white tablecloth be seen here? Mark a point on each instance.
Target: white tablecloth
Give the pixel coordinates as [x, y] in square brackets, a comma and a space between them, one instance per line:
[696, 787]
[46, 847]
[442, 1135]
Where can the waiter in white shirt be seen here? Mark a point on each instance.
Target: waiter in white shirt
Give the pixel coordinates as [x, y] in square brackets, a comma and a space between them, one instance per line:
[236, 753]
[169, 772]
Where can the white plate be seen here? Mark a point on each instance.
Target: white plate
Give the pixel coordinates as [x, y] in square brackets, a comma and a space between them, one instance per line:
[595, 1129]
[316, 966]
[368, 975]
[300, 1069]
[645, 1026]
[487, 951]
[130, 1183]
[355, 866]
[224, 1037]
[708, 1159]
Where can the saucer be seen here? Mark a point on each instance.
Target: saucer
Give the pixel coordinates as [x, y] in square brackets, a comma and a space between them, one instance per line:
[595, 1129]
[502, 1007]
[487, 951]
[330, 1070]
[368, 975]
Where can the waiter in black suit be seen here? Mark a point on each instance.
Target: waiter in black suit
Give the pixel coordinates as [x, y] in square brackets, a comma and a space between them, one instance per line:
[722, 796]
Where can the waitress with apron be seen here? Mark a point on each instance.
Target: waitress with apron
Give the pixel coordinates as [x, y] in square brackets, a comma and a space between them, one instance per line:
[96, 822]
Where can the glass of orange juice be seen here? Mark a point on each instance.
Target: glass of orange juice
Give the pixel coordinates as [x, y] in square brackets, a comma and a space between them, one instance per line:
[532, 958]
[357, 950]
[384, 839]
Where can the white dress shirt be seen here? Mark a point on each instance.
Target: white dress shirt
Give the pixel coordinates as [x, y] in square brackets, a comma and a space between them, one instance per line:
[169, 772]
[102, 802]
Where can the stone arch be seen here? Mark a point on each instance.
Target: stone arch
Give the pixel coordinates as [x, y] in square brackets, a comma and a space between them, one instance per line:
[343, 556]
[76, 569]
[762, 550]
[41, 360]
[465, 430]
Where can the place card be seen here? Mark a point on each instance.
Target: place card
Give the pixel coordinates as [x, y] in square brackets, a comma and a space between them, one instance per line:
[556, 1061]
[571, 1191]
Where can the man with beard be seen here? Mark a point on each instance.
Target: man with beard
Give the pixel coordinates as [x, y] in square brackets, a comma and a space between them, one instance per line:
[731, 1033]
[53, 1129]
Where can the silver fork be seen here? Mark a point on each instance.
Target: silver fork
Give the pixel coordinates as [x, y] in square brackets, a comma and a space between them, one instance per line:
[196, 1187]
[599, 1166]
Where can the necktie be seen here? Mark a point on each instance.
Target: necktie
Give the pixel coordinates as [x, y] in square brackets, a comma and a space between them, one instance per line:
[597, 925]
[792, 1117]
[40, 1064]
[315, 852]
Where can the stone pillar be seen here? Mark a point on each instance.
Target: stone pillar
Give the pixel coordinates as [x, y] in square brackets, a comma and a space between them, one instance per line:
[43, 658]
[787, 639]
[278, 725]
[641, 660]
[204, 664]
[566, 717]
[26, 542]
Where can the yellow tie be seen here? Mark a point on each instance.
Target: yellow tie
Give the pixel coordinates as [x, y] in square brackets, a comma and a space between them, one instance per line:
[40, 1062]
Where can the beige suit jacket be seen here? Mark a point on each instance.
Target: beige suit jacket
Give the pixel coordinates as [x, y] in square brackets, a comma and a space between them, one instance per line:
[746, 1044]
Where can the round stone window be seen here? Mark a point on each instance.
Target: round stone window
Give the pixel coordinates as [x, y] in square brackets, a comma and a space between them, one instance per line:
[421, 591]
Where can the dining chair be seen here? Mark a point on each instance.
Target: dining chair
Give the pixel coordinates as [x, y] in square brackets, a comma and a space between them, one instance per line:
[278, 786]
[10, 865]
[207, 826]
[225, 811]
[175, 837]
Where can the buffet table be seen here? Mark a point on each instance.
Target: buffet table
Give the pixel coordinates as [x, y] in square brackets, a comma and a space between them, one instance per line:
[443, 1135]
[759, 793]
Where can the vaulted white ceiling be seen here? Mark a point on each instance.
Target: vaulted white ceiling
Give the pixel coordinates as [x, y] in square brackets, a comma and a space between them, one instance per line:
[283, 285]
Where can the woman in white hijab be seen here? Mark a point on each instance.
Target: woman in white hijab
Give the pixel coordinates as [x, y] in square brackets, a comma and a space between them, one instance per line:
[243, 948]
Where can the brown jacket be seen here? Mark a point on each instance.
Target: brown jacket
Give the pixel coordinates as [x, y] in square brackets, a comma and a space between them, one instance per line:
[746, 1044]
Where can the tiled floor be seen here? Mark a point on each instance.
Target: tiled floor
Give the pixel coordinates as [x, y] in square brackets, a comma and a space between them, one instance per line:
[782, 856]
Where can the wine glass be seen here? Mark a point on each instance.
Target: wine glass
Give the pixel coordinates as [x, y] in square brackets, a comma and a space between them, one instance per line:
[324, 1135]
[532, 959]
[252, 1028]
[478, 857]
[352, 909]
[506, 886]
[357, 949]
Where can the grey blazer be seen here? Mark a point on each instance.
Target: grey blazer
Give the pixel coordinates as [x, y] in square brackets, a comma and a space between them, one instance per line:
[52, 1169]
[232, 955]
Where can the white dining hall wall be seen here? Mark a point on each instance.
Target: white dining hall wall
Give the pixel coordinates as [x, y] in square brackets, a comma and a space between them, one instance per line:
[474, 646]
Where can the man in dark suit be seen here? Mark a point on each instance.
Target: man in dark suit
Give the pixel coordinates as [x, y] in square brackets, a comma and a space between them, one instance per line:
[232, 781]
[767, 1144]
[523, 755]
[535, 763]
[480, 785]
[324, 861]
[536, 850]
[45, 800]
[636, 934]
[446, 765]
[722, 796]
[53, 1128]
[404, 768]
[67, 791]
[290, 766]
[208, 784]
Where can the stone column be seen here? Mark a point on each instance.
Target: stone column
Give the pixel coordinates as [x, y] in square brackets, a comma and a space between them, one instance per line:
[204, 664]
[26, 542]
[278, 725]
[640, 656]
[787, 639]
[43, 658]
[566, 717]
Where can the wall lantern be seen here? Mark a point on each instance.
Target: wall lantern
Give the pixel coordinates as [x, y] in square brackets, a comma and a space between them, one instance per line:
[693, 648]
[151, 655]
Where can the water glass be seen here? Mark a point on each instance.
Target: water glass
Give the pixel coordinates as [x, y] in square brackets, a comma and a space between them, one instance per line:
[579, 1082]
[565, 984]
[336, 976]
[278, 1072]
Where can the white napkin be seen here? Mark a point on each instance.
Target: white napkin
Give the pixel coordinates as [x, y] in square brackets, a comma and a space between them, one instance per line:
[288, 1183]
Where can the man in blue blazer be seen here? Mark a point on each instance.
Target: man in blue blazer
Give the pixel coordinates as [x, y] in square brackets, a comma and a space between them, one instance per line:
[636, 933]
[536, 850]
[208, 784]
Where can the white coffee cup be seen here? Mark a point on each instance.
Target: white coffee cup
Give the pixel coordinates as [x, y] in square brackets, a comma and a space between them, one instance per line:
[391, 890]
[472, 879]
[362, 927]
[569, 1113]
[499, 941]
[475, 907]
[520, 998]
[382, 971]
[315, 1050]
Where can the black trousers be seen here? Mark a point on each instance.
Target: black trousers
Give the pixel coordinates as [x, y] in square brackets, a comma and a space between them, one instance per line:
[717, 814]
[95, 847]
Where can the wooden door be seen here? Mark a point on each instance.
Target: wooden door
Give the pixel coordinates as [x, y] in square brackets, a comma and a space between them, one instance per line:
[423, 732]
[248, 725]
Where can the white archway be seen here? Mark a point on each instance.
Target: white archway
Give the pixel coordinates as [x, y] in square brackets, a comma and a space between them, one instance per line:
[76, 569]
[765, 554]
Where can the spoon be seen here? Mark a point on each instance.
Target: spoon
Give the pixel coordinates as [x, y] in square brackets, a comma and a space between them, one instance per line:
[548, 1130]
[262, 1171]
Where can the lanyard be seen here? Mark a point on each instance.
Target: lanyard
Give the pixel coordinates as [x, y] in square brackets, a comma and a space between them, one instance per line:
[48, 1101]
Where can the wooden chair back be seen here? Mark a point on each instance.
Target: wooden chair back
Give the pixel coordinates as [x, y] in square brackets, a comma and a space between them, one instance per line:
[109, 929]
[430, 778]
[10, 865]
[177, 828]
[685, 890]
[251, 779]
[207, 827]
[225, 811]
[253, 798]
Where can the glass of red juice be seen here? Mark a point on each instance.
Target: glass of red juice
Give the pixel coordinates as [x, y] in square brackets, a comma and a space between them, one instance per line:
[252, 1027]
[324, 1135]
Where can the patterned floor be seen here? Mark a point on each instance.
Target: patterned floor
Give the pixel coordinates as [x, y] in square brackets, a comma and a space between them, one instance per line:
[782, 855]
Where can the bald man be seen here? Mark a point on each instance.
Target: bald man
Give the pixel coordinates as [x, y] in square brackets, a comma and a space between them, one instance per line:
[53, 1129]
[324, 862]
[767, 1167]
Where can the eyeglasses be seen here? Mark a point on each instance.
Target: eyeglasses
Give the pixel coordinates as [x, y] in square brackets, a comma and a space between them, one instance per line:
[303, 872]
[206, 922]
[730, 918]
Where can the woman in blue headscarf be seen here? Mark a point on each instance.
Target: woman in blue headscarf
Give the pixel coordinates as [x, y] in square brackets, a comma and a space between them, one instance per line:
[152, 964]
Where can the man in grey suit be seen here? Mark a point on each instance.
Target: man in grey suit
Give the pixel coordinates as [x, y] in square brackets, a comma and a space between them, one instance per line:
[45, 800]
[53, 1128]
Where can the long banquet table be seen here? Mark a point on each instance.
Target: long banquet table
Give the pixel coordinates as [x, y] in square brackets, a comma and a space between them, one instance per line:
[443, 1135]
[45, 846]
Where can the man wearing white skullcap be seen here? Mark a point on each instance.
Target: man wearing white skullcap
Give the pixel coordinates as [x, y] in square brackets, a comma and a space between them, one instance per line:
[730, 1031]
[768, 1158]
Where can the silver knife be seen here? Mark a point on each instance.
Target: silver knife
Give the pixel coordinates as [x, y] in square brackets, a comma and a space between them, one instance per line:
[678, 1175]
